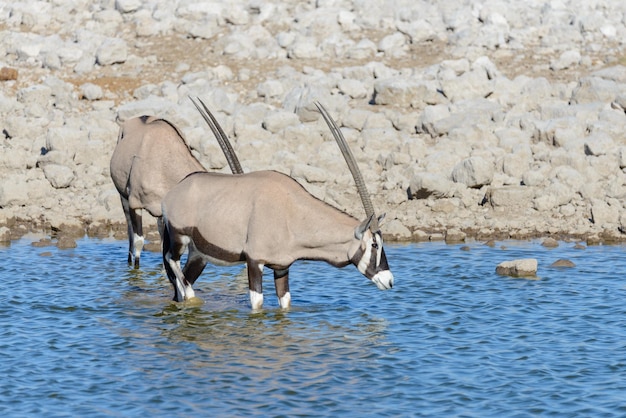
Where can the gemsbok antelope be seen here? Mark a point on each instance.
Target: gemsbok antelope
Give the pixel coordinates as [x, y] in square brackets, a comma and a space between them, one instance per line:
[151, 157]
[265, 218]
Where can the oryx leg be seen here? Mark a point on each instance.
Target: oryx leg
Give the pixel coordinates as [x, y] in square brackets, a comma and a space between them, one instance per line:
[255, 284]
[135, 232]
[195, 264]
[160, 228]
[172, 251]
[138, 240]
[281, 282]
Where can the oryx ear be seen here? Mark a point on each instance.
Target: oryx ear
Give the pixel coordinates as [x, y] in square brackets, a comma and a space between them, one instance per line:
[380, 220]
[363, 226]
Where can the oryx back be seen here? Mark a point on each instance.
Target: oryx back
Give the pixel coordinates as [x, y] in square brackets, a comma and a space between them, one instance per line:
[150, 158]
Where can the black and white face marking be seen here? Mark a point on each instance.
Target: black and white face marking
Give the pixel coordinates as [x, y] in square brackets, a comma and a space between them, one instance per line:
[371, 261]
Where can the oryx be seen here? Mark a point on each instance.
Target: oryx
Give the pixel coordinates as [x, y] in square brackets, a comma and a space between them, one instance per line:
[150, 157]
[266, 218]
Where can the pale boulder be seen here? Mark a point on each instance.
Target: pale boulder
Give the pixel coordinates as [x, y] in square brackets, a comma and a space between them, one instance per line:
[423, 185]
[526, 267]
[473, 172]
[112, 51]
[59, 176]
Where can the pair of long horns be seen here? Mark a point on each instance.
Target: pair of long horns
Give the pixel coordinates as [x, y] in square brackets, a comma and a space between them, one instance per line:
[220, 135]
[352, 165]
[235, 166]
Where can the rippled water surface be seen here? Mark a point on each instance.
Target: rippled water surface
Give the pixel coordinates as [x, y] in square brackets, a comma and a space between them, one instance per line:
[81, 334]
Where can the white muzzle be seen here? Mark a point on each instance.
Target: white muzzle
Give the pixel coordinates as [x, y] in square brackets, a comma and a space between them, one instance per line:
[383, 279]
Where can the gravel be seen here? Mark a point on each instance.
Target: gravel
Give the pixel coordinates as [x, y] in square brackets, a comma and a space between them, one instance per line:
[469, 121]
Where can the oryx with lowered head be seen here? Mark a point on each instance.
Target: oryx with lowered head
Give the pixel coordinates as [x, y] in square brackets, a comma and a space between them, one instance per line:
[151, 157]
[266, 218]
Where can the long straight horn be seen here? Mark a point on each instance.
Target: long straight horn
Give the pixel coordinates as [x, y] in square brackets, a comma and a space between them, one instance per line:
[352, 165]
[220, 135]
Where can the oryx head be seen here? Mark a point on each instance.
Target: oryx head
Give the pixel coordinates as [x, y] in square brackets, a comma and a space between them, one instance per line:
[369, 257]
[368, 254]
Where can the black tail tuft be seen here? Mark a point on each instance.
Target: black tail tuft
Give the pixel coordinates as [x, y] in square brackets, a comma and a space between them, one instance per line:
[166, 246]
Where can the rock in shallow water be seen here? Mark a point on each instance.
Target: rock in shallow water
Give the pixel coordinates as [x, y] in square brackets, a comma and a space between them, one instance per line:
[563, 263]
[526, 267]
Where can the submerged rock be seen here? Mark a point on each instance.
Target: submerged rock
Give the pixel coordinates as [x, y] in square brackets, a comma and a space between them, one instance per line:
[562, 262]
[65, 242]
[43, 242]
[5, 235]
[550, 243]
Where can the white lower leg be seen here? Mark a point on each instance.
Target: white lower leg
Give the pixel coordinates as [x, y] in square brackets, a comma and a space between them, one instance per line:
[189, 293]
[285, 300]
[137, 245]
[180, 290]
[183, 290]
[256, 299]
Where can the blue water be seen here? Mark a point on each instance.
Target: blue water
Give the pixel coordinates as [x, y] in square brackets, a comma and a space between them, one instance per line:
[81, 334]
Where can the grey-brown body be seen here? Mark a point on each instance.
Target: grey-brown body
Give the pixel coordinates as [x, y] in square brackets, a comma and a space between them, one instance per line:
[262, 218]
[150, 157]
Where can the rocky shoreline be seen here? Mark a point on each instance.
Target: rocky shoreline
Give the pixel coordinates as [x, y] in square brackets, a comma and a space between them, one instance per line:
[469, 122]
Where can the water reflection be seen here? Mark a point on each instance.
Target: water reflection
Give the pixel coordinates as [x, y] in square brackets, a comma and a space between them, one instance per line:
[271, 333]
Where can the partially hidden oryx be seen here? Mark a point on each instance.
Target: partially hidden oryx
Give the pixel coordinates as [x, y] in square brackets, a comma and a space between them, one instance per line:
[151, 157]
[266, 218]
